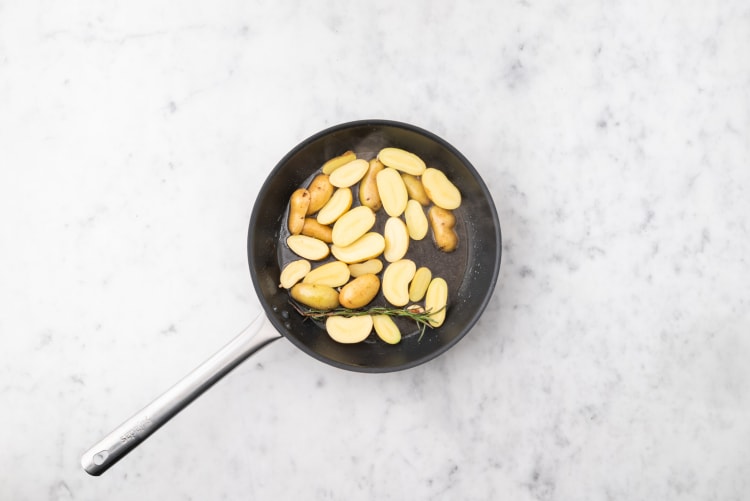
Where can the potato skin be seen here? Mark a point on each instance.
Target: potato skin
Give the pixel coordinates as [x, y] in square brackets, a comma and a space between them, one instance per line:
[444, 235]
[368, 187]
[415, 189]
[298, 204]
[360, 291]
[320, 297]
[321, 191]
[312, 228]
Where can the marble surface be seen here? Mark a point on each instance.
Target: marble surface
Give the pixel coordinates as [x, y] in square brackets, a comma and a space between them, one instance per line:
[611, 363]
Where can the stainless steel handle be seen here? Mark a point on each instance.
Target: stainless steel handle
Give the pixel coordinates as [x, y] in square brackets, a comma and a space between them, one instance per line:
[135, 430]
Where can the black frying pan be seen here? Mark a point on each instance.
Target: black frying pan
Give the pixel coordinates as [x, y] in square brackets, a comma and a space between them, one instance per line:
[471, 272]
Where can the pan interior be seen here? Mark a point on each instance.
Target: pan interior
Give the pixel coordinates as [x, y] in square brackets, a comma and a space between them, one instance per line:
[471, 271]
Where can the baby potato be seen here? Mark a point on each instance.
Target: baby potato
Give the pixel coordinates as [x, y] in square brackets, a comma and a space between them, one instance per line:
[368, 187]
[415, 189]
[416, 221]
[402, 160]
[396, 239]
[436, 300]
[440, 190]
[386, 329]
[443, 223]
[360, 291]
[340, 202]
[312, 228]
[419, 284]
[336, 162]
[298, 204]
[324, 221]
[396, 280]
[308, 247]
[392, 191]
[352, 225]
[373, 266]
[321, 191]
[349, 329]
[349, 174]
[368, 246]
[333, 274]
[293, 273]
[319, 297]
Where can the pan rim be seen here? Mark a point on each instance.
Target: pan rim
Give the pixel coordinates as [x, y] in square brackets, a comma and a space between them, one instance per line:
[487, 295]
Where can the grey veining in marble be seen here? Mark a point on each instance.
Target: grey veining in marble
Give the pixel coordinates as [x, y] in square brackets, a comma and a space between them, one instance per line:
[611, 362]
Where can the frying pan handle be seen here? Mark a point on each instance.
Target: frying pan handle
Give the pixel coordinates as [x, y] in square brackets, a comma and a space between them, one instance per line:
[135, 430]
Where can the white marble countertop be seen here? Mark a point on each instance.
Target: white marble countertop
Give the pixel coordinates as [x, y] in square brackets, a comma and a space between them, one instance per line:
[611, 363]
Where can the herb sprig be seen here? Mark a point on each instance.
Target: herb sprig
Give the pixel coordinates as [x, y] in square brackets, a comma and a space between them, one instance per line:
[418, 314]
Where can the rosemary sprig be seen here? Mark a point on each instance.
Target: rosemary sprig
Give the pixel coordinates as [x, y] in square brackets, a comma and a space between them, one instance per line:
[420, 316]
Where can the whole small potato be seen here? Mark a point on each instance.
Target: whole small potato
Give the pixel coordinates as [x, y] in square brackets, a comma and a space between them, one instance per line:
[298, 204]
[360, 291]
[321, 191]
[320, 297]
